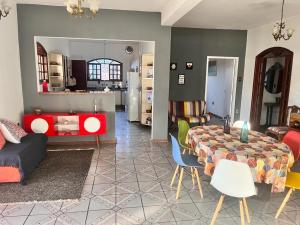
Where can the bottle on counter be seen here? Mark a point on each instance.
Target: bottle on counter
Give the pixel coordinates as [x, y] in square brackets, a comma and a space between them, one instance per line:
[45, 86]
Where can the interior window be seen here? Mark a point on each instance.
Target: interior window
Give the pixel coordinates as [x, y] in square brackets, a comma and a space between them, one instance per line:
[104, 69]
[42, 62]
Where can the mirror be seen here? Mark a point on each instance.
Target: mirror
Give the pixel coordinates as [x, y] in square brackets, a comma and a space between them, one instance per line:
[273, 76]
[84, 65]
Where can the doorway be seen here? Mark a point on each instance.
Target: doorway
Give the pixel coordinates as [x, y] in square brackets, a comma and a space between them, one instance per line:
[271, 87]
[221, 78]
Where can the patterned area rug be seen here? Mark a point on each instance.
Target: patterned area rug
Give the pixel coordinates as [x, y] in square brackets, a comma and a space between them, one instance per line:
[60, 176]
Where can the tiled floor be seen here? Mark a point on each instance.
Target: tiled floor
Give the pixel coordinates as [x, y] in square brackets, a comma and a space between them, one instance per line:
[129, 184]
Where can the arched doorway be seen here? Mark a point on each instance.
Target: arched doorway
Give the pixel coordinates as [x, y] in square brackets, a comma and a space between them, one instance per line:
[271, 88]
[42, 60]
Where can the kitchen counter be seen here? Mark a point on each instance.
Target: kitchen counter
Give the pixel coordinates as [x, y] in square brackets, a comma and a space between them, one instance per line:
[75, 93]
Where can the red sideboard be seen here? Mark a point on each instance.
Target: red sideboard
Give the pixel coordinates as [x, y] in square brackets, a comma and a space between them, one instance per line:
[65, 124]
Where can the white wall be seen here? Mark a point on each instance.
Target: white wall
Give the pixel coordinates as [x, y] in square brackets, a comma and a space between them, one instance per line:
[11, 98]
[59, 45]
[219, 88]
[259, 39]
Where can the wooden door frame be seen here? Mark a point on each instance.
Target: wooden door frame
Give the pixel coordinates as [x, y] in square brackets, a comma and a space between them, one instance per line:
[258, 84]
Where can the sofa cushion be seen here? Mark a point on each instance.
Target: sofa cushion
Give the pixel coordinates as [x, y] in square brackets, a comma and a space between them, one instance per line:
[278, 130]
[2, 140]
[187, 108]
[11, 131]
[192, 119]
[26, 155]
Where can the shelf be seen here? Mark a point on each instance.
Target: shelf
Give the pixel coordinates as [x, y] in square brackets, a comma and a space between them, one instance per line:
[147, 75]
[149, 125]
[148, 103]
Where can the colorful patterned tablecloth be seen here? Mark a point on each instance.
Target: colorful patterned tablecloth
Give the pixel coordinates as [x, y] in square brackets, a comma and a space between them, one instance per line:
[267, 158]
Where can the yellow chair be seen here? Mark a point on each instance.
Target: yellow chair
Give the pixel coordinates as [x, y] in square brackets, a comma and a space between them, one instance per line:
[183, 129]
[292, 182]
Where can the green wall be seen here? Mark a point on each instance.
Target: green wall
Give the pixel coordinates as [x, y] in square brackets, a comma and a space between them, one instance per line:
[36, 20]
[189, 44]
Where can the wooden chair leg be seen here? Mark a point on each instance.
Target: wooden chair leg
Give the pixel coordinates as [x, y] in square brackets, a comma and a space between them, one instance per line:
[174, 176]
[246, 209]
[242, 213]
[217, 210]
[285, 200]
[193, 176]
[179, 183]
[199, 182]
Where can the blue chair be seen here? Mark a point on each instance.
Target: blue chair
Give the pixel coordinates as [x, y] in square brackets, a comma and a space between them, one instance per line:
[184, 161]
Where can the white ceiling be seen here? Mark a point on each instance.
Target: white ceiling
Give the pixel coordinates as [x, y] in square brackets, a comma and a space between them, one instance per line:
[135, 5]
[237, 14]
[220, 14]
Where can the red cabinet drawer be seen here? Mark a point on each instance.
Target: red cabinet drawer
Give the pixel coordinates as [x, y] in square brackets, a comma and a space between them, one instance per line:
[90, 124]
[39, 124]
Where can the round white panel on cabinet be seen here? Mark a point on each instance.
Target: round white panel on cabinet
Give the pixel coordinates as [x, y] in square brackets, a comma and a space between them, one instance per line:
[92, 124]
[39, 125]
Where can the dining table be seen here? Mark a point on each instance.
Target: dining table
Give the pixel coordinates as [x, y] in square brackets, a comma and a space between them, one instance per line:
[268, 159]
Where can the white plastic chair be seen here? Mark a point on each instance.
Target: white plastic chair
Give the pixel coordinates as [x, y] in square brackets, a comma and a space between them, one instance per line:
[240, 123]
[233, 179]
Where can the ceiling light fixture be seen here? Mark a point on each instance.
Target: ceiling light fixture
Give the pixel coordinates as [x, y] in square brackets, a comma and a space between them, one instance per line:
[4, 10]
[76, 9]
[279, 28]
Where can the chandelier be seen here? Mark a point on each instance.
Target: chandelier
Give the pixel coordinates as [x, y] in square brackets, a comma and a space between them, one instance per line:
[75, 8]
[4, 10]
[279, 28]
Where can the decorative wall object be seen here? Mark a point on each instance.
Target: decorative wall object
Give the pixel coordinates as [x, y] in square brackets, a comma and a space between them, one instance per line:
[4, 9]
[188, 65]
[212, 68]
[173, 66]
[129, 49]
[181, 78]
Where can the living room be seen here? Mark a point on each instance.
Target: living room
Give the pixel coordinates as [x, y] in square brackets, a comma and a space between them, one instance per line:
[97, 166]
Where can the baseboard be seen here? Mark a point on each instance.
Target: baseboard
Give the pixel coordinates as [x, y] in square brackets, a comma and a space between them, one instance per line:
[69, 143]
[160, 141]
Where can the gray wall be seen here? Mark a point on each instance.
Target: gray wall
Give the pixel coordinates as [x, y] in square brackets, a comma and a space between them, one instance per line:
[54, 21]
[195, 45]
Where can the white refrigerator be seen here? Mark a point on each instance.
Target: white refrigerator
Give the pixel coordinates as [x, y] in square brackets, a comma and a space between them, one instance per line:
[133, 96]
